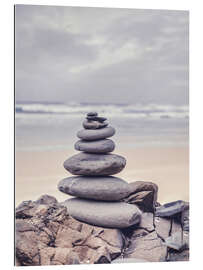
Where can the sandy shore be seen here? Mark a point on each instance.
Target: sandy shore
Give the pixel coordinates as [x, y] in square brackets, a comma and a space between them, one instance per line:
[38, 173]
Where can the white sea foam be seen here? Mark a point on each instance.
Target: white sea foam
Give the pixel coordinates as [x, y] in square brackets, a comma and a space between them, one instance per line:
[111, 110]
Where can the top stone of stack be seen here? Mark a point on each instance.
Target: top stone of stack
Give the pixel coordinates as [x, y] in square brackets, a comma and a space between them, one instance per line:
[93, 121]
[95, 128]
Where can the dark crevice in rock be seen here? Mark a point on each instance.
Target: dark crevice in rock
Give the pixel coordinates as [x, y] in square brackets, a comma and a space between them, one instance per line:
[170, 231]
[149, 231]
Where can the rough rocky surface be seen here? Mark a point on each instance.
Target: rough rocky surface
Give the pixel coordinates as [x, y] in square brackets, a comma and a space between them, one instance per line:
[178, 240]
[146, 247]
[97, 134]
[174, 256]
[95, 164]
[172, 208]
[87, 124]
[104, 188]
[100, 146]
[185, 220]
[47, 235]
[143, 194]
[104, 214]
[163, 227]
[147, 222]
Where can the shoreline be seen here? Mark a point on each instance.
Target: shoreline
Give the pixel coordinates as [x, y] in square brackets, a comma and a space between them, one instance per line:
[38, 173]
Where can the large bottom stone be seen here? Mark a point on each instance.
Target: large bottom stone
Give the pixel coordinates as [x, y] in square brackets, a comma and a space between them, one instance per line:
[105, 188]
[95, 164]
[104, 214]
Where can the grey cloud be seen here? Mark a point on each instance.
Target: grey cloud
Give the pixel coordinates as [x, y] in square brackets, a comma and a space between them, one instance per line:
[52, 42]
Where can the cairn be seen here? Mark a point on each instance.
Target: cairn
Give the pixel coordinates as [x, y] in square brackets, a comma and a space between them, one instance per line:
[98, 193]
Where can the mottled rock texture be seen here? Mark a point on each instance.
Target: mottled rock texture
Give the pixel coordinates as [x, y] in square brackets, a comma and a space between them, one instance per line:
[104, 188]
[98, 147]
[47, 235]
[95, 164]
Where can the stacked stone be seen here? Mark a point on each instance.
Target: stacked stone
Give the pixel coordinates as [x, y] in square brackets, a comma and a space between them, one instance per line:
[98, 193]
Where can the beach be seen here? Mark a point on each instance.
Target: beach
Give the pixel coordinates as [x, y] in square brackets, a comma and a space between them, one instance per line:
[38, 173]
[153, 139]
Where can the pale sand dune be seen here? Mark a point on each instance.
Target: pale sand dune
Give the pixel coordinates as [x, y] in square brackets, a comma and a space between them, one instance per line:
[38, 173]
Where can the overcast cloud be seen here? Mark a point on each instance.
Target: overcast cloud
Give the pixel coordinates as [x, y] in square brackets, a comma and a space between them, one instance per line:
[102, 55]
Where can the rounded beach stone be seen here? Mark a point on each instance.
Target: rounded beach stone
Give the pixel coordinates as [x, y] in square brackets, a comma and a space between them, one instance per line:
[96, 118]
[102, 188]
[104, 214]
[95, 164]
[96, 134]
[100, 146]
[92, 114]
[94, 124]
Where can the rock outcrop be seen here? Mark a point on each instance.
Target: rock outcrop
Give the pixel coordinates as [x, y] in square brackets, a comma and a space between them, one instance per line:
[47, 235]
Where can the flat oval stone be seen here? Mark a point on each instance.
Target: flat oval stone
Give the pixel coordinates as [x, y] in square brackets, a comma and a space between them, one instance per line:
[95, 164]
[100, 146]
[103, 214]
[92, 114]
[96, 118]
[94, 124]
[102, 188]
[97, 134]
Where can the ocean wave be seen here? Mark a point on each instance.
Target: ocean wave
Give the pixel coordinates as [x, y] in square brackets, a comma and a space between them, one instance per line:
[113, 110]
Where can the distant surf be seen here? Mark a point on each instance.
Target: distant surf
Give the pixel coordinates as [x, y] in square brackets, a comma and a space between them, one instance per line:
[156, 111]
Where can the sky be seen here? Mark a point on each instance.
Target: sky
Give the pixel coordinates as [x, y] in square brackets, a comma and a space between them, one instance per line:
[103, 55]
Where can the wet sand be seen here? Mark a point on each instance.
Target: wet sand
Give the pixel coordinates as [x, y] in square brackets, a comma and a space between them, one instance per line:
[38, 173]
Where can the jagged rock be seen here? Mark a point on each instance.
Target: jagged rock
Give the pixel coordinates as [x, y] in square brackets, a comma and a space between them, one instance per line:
[138, 232]
[96, 134]
[149, 247]
[174, 256]
[95, 164]
[46, 199]
[47, 235]
[55, 238]
[58, 256]
[185, 220]
[162, 226]
[178, 241]
[143, 199]
[171, 209]
[175, 226]
[147, 222]
[104, 214]
[104, 188]
[144, 194]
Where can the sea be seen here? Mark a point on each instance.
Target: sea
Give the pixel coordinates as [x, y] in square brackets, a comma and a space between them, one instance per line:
[53, 126]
